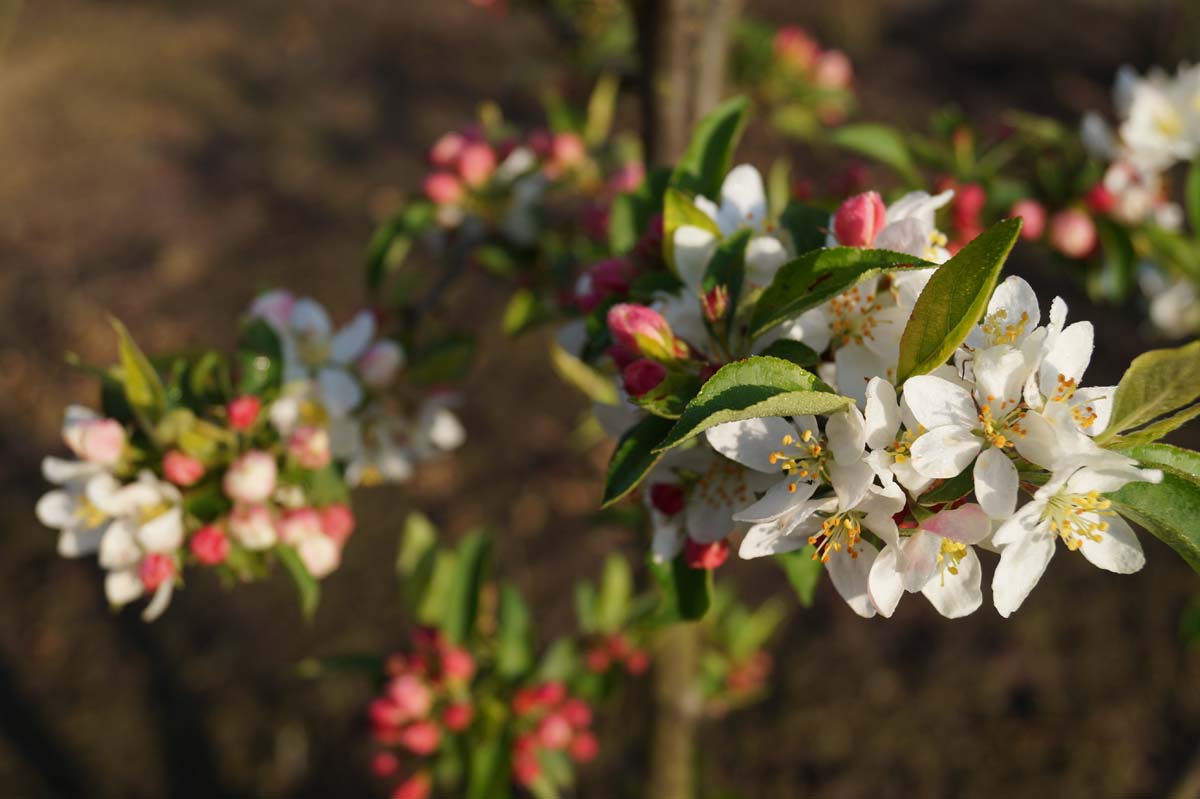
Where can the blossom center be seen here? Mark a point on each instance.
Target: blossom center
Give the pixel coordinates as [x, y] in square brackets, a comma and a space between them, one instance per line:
[87, 512]
[839, 531]
[937, 240]
[807, 459]
[950, 556]
[1000, 330]
[1076, 518]
[1000, 423]
[854, 319]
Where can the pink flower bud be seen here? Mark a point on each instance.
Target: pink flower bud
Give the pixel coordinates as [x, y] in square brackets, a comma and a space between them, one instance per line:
[421, 738]
[209, 545]
[442, 188]
[859, 219]
[705, 556]
[833, 70]
[667, 498]
[715, 303]
[251, 478]
[567, 150]
[155, 569]
[379, 364]
[384, 764]
[526, 768]
[99, 441]
[1100, 200]
[643, 376]
[795, 47]
[411, 695]
[967, 205]
[457, 717]
[524, 702]
[243, 412]
[384, 714]
[1073, 233]
[418, 786]
[337, 522]
[445, 151]
[550, 694]
[457, 664]
[554, 732]
[477, 163]
[584, 747]
[541, 142]
[627, 178]
[274, 307]
[637, 662]
[614, 276]
[253, 527]
[182, 469]
[299, 524]
[577, 713]
[320, 554]
[644, 330]
[598, 660]
[309, 447]
[1033, 216]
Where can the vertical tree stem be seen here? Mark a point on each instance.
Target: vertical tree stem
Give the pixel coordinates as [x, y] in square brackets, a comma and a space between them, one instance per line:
[683, 48]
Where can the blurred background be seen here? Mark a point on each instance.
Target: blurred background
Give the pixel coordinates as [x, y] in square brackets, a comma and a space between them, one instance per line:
[165, 161]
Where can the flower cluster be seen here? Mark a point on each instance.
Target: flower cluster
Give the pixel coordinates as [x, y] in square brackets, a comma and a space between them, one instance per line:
[426, 697]
[188, 468]
[613, 650]
[549, 722]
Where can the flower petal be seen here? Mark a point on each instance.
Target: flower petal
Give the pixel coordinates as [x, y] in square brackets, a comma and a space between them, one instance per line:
[882, 415]
[1068, 356]
[770, 538]
[847, 435]
[850, 577]
[782, 498]
[340, 392]
[122, 586]
[162, 598]
[743, 200]
[752, 441]
[1021, 565]
[883, 583]
[966, 524]
[996, 483]
[1000, 373]
[851, 483]
[694, 248]
[957, 595]
[764, 256]
[1118, 549]
[353, 339]
[945, 451]
[308, 317]
[935, 401]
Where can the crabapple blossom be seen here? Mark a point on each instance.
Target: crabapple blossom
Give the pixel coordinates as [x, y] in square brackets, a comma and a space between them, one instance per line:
[92, 437]
[309, 447]
[253, 526]
[379, 364]
[182, 469]
[243, 412]
[251, 478]
[209, 545]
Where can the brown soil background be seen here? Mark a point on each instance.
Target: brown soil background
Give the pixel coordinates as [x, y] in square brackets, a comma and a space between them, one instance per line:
[165, 161]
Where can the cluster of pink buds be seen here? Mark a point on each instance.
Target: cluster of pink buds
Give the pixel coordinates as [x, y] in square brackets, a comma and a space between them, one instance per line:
[749, 676]
[800, 52]
[426, 696]
[1070, 231]
[548, 718]
[606, 652]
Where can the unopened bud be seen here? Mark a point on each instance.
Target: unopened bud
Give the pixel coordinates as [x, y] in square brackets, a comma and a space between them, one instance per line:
[156, 569]
[833, 70]
[644, 330]
[667, 498]
[554, 732]
[253, 527]
[251, 478]
[209, 545]
[445, 151]
[577, 713]
[1033, 216]
[95, 440]
[584, 747]
[457, 717]
[243, 412]
[1073, 233]
[1100, 200]
[182, 469]
[421, 738]
[418, 786]
[411, 695]
[477, 163]
[715, 303]
[859, 219]
[337, 522]
[795, 47]
[384, 764]
[309, 447]
[442, 188]
[643, 376]
[705, 556]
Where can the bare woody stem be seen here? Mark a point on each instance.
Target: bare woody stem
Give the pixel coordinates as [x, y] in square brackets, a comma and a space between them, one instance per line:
[683, 49]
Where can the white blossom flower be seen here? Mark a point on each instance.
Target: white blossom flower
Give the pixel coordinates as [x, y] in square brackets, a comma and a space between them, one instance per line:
[1070, 507]
[936, 559]
[910, 227]
[70, 509]
[741, 206]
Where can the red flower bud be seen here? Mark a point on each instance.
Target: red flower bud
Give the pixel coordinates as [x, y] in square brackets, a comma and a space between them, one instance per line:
[644, 330]
[182, 469]
[442, 188]
[1073, 233]
[1099, 199]
[643, 376]
[421, 738]
[576, 712]
[457, 717]
[337, 522]
[859, 219]
[210, 545]
[584, 747]
[667, 497]
[715, 303]
[384, 764]
[637, 662]
[243, 411]
[155, 569]
[418, 786]
[1033, 215]
[705, 556]
[477, 163]
[554, 732]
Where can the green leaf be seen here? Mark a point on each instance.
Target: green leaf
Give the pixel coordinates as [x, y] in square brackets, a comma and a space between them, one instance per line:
[616, 589]
[1168, 510]
[143, 387]
[560, 661]
[432, 602]
[679, 210]
[391, 241]
[1153, 432]
[803, 572]
[692, 589]
[755, 387]
[794, 351]
[307, 586]
[816, 276]
[462, 605]
[949, 490]
[592, 382]
[635, 455]
[601, 105]
[1191, 195]
[807, 225]
[260, 358]
[416, 559]
[514, 651]
[1157, 383]
[880, 142]
[670, 397]
[953, 301]
[585, 607]
[710, 154]
[489, 769]
[524, 310]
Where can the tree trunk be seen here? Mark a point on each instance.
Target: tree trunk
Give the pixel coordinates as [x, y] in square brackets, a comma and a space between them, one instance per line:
[683, 47]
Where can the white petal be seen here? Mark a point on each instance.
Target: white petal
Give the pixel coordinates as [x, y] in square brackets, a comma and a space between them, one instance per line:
[353, 339]
[996, 483]
[847, 436]
[1038, 442]
[770, 538]
[1118, 549]
[850, 576]
[694, 248]
[162, 598]
[340, 392]
[957, 595]
[882, 417]
[779, 500]
[966, 524]
[1100, 400]
[1018, 301]
[60, 470]
[910, 236]
[1025, 523]
[1068, 356]
[1000, 373]
[310, 318]
[122, 586]
[935, 401]
[851, 482]
[163, 533]
[764, 256]
[743, 200]
[750, 442]
[917, 560]
[883, 583]
[945, 451]
[118, 547]
[78, 543]
[56, 509]
[1021, 565]
[855, 366]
